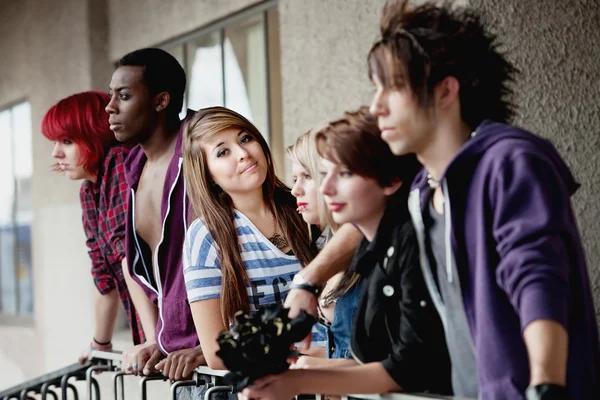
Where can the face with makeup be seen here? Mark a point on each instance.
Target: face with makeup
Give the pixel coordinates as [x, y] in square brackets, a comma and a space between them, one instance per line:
[305, 191]
[353, 198]
[236, 161]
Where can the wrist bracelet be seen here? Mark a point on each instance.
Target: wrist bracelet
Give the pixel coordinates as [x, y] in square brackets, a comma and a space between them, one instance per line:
[316, 290]
[100, 343]
[299, 282]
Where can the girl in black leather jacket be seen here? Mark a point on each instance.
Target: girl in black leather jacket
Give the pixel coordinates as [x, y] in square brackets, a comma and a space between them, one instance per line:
[398, 338]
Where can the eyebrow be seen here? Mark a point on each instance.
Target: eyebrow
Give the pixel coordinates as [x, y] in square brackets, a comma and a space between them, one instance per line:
[222, 143]
[118, 89]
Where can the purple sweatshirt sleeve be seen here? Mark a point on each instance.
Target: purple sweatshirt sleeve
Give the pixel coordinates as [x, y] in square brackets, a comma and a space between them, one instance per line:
[532, 218]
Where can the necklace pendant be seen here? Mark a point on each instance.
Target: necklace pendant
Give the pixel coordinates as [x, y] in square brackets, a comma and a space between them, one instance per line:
[278, 241]
[432, 182]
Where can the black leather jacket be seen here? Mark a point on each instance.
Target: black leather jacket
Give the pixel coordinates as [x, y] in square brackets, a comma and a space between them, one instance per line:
[396, 322]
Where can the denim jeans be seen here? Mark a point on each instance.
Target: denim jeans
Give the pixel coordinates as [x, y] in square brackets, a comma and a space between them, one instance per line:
[339, 333]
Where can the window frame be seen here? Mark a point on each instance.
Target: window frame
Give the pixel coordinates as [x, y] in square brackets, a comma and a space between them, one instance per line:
[19, 318]
[270, 18]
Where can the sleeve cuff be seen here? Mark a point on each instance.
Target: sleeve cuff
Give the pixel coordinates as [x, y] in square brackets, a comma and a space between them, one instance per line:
[193, 299]
[400, 373]
[539, 303]
[104, 287]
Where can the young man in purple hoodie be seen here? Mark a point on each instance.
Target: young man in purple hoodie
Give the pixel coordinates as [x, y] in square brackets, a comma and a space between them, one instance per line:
[500, 248]
[146, 97]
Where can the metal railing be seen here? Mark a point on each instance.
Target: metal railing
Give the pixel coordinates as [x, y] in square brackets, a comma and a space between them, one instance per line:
[61, 382]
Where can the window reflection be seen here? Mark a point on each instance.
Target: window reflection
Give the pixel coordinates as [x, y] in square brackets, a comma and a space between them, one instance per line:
[246, 71]
[227, 67]
[205, 72]
[16, 214]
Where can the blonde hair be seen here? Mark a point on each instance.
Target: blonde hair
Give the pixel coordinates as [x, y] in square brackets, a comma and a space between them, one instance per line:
[304, 152]
[215, 207]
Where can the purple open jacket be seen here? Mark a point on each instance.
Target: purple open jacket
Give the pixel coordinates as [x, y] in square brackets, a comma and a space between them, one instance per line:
[513, 235]
[175, 327]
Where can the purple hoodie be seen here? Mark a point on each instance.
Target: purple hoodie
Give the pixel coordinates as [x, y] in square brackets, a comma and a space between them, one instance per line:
[518, 254]
[175, 328]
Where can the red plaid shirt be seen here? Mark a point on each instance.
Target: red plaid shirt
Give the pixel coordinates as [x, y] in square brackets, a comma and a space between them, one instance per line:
[104, 215]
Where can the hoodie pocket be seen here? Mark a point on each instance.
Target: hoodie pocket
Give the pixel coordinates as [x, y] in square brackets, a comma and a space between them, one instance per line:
[173, 315]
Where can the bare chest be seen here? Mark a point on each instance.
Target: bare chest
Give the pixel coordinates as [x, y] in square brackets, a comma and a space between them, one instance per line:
[148, 202]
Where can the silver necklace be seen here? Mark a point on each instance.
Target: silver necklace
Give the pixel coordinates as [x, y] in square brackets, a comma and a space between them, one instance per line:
[276, 238]
[432, 182]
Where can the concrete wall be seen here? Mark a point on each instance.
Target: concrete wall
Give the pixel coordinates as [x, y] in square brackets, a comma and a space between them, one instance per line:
[141, 23]
[324, 46]
[556, 47]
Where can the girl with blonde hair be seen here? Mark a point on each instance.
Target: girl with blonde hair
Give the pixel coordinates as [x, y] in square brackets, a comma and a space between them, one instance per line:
[337, 303]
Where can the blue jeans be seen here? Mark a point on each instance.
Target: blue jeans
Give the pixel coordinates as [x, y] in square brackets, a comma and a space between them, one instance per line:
[339, 333]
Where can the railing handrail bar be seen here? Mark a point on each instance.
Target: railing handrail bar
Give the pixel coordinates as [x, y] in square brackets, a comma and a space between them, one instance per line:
[204, 370]
[115, 358]
[37, 382]
[404, 396]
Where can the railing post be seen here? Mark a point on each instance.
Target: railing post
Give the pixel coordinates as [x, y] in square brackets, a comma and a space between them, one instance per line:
[74, 389]
[63, 386]
[145, 380]
[89, 378]
[45, 390]
[96, 388]
[213, 389]
[179, 384]
[119, 376]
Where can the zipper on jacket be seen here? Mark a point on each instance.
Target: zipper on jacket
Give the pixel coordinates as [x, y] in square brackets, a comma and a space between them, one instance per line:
[162, 229]
[447, 229]
[162, 236]
[450, 252]
[184, 202]
[147, 283]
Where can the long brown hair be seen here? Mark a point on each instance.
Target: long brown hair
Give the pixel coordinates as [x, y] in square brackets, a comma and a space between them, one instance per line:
[215, 207]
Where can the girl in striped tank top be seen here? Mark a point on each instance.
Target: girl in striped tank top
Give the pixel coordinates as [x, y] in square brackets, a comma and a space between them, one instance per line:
[247, 241]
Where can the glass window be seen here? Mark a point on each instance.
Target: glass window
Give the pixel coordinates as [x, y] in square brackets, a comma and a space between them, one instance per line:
[246, 71]
[16, 291]
[227, 66]
[205, 71]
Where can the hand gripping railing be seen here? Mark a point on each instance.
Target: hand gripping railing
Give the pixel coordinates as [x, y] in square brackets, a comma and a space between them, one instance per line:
[100, 361]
